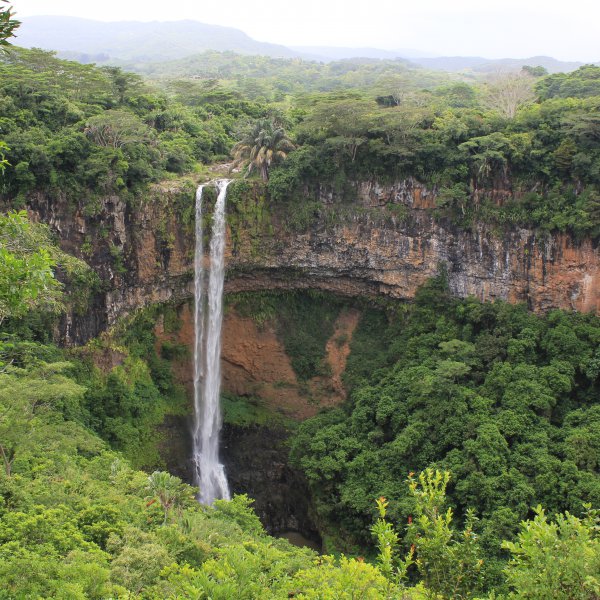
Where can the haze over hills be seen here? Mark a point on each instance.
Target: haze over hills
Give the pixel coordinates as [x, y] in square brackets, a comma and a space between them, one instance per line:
[479, 64]
[328, 53]
[137, 41]
[121, 42]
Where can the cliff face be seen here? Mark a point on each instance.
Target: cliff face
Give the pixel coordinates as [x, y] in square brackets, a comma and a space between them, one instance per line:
[142, 252]
[383, 241]
[381, 251]
[254, 362]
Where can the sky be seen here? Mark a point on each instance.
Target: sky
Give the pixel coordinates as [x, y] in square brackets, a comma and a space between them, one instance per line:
[564, 29]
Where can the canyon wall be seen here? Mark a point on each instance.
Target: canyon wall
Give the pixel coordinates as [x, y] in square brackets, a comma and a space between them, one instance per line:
[376, 241]
[381, 240]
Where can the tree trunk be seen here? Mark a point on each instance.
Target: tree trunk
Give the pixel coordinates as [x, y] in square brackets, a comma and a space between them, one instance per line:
[8, 457]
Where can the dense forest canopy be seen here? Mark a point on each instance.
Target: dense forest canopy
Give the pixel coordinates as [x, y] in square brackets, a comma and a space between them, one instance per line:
[504, 399]
[89, 131]
[465, 462]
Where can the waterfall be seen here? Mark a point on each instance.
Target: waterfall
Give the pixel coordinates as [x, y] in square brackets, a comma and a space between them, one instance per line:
[209, 474]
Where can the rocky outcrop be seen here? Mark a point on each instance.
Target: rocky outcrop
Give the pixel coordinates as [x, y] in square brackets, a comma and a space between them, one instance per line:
[254, 363]
[376, 250]
[256, 463]
[382, 241]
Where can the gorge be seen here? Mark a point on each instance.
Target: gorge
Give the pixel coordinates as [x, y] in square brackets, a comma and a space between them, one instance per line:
[351, 305]
[382, 241]
[370, 251]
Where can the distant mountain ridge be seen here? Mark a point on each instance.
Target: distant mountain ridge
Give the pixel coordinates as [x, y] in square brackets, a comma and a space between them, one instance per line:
[478, 64]
[144, 42]
[137, 41]
[328, 53]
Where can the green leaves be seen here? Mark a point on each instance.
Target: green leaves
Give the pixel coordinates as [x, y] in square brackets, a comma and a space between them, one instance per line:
[501, 397]
[28, 259]
[7, 24]
[169, 490]
[557, 559]
[263, 146]
[26, 270]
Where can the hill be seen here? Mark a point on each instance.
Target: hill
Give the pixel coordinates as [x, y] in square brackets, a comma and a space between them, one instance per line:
[477, 64]
[95, 41]
[134, 42]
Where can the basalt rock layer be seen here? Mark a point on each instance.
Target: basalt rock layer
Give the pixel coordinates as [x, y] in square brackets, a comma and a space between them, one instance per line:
[382, 240]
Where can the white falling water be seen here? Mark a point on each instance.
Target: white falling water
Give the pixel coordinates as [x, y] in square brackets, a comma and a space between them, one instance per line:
[199, 334]
[209, 472]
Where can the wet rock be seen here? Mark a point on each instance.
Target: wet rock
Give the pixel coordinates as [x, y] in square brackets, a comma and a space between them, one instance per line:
[256, 463]
[143, 253]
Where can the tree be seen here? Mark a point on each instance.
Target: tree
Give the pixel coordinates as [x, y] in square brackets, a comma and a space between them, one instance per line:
[449, 562]
[538, 71]
[387, 545]
[169, 490]
[25, 397]
[556, 559]
[26, 268]
[28, 259]
[7, 25]
[124, 84]
[3, 162]
[265, 145]
[506, 93]
[117, 128]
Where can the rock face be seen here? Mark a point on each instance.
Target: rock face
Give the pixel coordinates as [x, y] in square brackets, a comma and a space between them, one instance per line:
[254, 363]
[374, 251]
[383, 241]
[256, 463]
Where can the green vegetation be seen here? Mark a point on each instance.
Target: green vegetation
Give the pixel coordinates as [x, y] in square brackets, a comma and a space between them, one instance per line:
[263, 146]
[87, 132]
[545, 157]
[27, 262]
[273, 79]
[94, 527]
[502, 398]
[248, 217]
[247, 412]
[26, 275]
[7, 25]
[303, 320]
[583, 83]
[127, 404]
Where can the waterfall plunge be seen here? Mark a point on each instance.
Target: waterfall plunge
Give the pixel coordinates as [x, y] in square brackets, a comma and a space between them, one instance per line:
[209, 474]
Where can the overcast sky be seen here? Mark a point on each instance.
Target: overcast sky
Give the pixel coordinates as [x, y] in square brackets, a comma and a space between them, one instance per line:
[565, 29]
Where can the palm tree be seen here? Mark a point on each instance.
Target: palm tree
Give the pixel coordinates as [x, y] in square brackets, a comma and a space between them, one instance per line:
[265, 145]
[169, 490]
